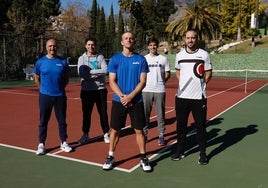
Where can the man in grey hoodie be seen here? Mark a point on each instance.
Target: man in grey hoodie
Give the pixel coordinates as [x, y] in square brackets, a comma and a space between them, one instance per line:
[92, 69]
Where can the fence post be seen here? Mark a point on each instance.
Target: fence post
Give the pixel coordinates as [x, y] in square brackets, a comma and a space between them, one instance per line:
[4, 59]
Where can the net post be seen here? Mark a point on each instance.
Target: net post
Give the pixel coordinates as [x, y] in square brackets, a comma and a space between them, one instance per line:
[246, 80]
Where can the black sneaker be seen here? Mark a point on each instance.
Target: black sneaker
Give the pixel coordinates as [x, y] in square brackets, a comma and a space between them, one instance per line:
[203, 160]
[84, 139]
[161, 141]
[108, 165]
[145, 165]
[177, 156]
[145, 138]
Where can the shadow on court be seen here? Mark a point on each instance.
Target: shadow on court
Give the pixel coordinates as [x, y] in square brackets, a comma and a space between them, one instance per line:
[229, 138]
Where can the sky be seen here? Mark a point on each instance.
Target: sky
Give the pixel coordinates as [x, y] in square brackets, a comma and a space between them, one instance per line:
[106, 4]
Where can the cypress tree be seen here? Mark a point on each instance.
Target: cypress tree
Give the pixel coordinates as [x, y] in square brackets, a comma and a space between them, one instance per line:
[93, 14]
[111, 33]
[120, 30]
[101, 32]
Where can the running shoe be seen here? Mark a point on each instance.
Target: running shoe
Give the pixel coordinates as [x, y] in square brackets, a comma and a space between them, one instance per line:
[145, 165]
[203, 160]
[65, 147]
[84, 139]
[145, 138]
[106, 138]
[177, 156]
[41, 149]
[108, 165]
[161, 141]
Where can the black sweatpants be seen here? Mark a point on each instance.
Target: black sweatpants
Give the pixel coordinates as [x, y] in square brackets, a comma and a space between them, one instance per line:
[88, 99]
[199, 112]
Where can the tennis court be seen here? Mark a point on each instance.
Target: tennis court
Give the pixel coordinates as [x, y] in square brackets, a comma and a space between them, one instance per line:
[237, 132]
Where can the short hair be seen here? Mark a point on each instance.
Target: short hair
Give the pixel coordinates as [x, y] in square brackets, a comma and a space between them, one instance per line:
[133, 35]
[51, 39]
[153, 40]
[91, 39]
[190, 29]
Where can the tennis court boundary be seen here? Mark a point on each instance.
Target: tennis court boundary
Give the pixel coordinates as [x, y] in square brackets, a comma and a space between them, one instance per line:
[136, 166]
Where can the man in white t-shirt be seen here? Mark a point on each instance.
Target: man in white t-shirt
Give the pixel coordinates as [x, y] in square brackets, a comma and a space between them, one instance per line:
[193, 70]
[155, 89]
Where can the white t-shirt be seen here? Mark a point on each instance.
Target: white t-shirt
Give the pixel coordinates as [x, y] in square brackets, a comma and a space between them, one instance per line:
[192, 66]
[158, 65]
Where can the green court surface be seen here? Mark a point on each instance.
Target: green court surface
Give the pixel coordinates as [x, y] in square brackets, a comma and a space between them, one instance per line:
[16, 83]
[237, 147]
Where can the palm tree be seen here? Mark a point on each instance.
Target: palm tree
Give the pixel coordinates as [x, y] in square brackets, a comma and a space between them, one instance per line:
[201, 16]
[126, 5]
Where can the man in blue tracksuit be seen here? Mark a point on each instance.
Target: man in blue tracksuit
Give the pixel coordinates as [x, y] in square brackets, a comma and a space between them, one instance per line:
[52, 76]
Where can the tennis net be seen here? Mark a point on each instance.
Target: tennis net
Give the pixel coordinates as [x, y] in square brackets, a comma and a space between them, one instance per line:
[247, 75]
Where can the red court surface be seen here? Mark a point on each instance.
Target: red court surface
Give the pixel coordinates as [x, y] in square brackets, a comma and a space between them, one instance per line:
[20, 114]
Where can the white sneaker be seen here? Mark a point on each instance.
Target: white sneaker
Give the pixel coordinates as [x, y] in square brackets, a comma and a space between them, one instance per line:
[65, 147]
[145, 165]
[108, 165]
[40, 149]
[106, 138]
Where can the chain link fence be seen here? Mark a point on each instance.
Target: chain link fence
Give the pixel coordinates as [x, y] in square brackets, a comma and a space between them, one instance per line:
[20, 52]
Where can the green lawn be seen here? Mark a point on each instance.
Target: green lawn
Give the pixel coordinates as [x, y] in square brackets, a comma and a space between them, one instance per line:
[240, 57]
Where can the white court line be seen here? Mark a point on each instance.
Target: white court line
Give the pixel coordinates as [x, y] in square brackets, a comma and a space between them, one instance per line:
[154, 155]
[78, 98]
[229, 89]
[17, 93]
[61, 157]
[218, 93]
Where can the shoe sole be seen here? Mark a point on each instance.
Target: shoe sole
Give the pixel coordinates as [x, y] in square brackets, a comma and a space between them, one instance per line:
[104, 168]
[178, 159]
[145, 170]
[106, 142]
[202, 163]
[67, 151]
[107, 169]
[43, 153]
